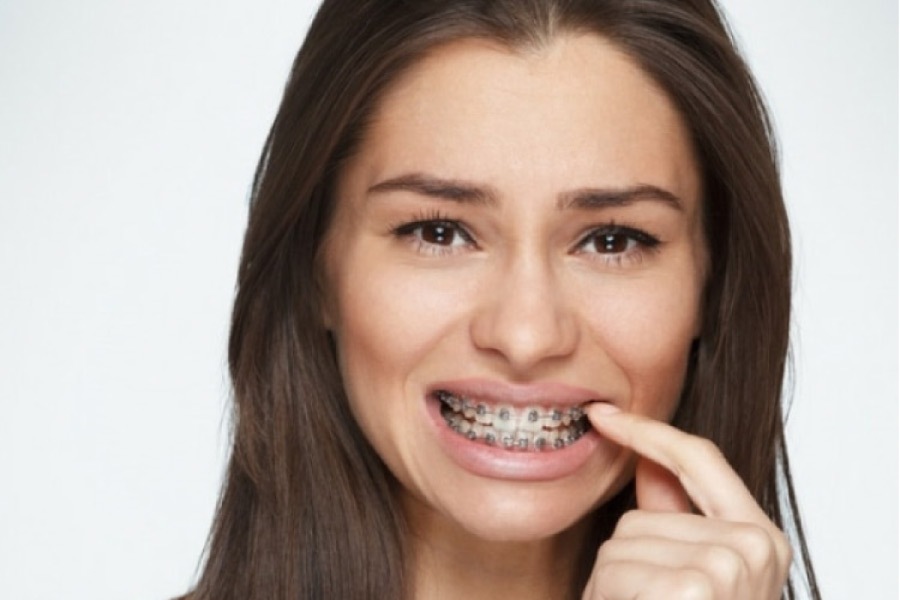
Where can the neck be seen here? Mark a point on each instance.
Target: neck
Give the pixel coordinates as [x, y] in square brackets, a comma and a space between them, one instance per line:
[448, 562]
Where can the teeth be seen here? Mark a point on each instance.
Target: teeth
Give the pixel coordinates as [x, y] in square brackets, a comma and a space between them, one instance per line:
[505, 419]
[532, 428]
[531, 417]
[523, 439]
[483, 414]
[550, 437]
[456, 423]
[450, 400]
[468, 410]
[534, 420]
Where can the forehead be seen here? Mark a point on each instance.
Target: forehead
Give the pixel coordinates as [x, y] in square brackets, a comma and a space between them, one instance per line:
[576, 112]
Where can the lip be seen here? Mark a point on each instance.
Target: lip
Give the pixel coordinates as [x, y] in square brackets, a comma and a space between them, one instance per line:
[498, 463]
[496, 392]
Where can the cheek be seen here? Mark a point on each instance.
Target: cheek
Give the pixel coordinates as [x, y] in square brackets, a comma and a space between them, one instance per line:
[647, 331]
[390, 318]
[387, 326]
[371, 336]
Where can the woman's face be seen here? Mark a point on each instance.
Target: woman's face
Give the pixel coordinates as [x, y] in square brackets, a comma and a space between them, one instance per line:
[518, 234]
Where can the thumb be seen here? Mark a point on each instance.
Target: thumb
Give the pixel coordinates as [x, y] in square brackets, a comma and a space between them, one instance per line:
[659, 490]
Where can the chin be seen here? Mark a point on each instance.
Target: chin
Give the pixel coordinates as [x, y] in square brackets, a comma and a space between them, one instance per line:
[519, 516]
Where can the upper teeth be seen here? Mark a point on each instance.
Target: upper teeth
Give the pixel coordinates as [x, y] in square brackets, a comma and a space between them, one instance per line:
[511, 427]
[508, 417]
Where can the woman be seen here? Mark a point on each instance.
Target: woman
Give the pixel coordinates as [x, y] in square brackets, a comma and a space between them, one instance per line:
[495, 248]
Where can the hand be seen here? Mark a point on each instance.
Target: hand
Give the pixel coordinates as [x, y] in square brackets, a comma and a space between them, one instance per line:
[663, 550]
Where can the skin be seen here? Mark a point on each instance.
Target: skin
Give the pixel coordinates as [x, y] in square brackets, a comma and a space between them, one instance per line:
[506, 281]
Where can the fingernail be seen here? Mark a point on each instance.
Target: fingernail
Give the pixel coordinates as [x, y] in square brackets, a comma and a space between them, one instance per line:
[605, 408]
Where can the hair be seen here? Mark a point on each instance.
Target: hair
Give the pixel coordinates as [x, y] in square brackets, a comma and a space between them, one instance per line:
[308, 510]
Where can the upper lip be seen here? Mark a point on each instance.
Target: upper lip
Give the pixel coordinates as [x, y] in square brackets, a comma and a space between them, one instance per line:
[499, 392]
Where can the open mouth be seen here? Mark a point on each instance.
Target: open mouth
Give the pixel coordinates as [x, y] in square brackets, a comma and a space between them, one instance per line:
[528, 428]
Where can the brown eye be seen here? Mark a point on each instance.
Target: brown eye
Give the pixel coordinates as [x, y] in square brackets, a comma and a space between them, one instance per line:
[438, 233]
[612, 243]
[441, 236]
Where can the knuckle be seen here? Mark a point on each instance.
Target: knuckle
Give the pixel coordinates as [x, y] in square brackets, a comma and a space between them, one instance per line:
[604, 571]
[784, 549]
[757, 546]
[605, 552]
[705, 449]
[726, 563]
[691, 584]
[627, 523]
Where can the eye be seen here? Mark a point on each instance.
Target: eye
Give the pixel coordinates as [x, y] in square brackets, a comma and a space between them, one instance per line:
[437, 236]
[611, 243]
[616, 242]
[440, 233]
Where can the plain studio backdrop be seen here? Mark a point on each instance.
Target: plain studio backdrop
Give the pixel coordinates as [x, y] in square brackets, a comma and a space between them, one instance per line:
[129, 133]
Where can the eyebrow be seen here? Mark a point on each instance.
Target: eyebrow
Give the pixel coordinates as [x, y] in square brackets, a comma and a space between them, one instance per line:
[466, 192]
[594, 198]
[444, 189]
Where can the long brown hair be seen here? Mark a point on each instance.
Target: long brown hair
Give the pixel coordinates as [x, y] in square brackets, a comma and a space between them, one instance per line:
[307, 509]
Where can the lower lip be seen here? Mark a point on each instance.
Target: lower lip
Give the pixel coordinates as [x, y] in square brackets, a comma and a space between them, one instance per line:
[498, 463]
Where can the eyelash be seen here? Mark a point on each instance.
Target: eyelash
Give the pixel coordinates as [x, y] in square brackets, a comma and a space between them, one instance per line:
[637, 241]
[408, 230]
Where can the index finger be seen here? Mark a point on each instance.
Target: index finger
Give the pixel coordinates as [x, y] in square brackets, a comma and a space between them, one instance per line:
[707, 478]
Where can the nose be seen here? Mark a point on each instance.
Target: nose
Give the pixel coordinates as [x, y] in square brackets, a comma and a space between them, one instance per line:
[525, 316]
